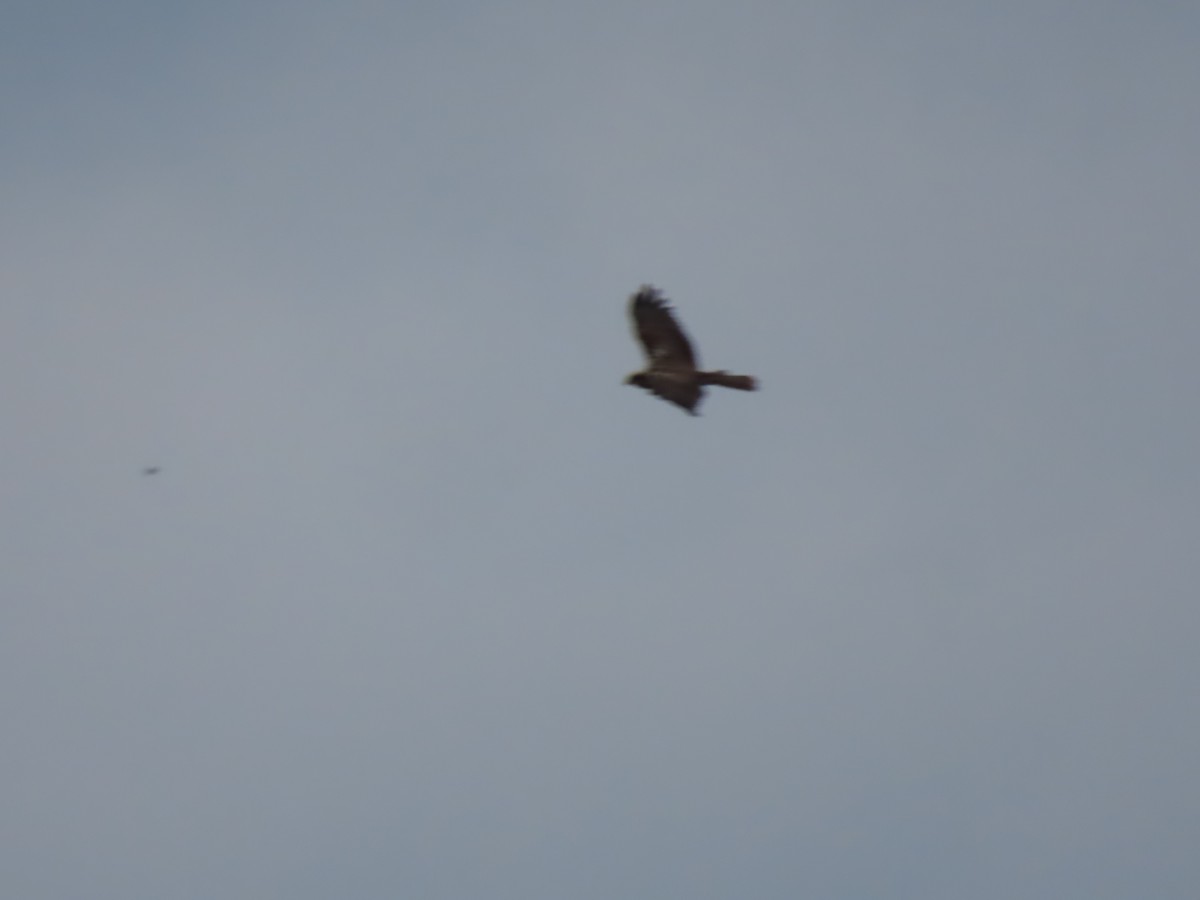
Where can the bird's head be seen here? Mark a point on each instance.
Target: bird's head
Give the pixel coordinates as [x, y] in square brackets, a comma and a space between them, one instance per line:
[636, 378]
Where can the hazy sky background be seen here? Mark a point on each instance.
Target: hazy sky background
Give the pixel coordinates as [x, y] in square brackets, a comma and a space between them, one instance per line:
[424, 603]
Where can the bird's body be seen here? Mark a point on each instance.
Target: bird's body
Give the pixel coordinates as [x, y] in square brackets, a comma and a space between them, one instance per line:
[671, 371]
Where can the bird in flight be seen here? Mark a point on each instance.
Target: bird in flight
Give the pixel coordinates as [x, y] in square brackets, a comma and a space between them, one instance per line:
[151, 470]
[671, 370]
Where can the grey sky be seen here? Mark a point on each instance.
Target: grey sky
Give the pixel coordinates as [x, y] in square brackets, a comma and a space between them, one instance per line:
[425, 603]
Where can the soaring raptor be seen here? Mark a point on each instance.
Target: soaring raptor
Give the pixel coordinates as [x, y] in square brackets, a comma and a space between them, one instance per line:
[671, 370]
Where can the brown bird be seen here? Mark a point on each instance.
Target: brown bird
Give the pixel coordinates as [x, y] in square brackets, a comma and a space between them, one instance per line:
[671, 370]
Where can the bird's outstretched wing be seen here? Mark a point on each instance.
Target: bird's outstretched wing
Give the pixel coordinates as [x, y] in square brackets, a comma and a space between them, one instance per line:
[681, 388]
[666, 345]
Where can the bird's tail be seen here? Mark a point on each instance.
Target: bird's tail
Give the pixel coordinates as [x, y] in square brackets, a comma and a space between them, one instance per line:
[724, 379]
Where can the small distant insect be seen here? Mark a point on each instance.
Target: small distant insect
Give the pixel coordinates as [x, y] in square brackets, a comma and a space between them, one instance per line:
[151, 470]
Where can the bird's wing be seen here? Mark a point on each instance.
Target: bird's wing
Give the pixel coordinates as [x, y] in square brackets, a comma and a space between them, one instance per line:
[681, 388]
[658, 331]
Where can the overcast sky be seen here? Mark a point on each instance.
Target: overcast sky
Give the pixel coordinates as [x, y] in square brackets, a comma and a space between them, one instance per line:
[424, 603]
